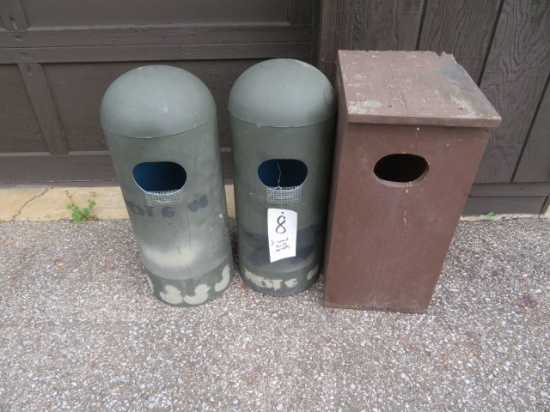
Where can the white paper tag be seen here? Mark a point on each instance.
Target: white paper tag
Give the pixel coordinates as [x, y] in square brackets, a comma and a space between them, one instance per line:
[282, 227]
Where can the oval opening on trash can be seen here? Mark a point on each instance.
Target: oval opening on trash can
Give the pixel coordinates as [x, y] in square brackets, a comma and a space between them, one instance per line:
[283, 173]
[401, 168]
[160, 176]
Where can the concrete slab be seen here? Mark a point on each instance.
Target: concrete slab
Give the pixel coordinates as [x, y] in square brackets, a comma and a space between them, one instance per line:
[546, 214]
[41, 204]
[52, 204]
[110, 204]
[13, 200]
[230, 197]
[510, 216]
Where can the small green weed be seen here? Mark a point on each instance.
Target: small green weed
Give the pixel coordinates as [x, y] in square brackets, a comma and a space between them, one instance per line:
[84, 214]
[490, 216]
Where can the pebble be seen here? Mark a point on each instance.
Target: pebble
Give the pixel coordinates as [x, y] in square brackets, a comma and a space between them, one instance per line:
[80, 330]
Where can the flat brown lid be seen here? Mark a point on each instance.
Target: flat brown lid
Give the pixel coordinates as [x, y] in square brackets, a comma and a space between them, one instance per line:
[399, 87]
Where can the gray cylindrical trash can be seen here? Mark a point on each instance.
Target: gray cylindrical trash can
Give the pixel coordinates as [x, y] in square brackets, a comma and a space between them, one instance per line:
[282, 124]
[160, 126]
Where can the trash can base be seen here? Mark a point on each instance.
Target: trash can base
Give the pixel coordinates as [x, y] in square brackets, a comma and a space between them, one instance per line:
[194, 291]
[282, 114]
[274, 284]
[160, 126]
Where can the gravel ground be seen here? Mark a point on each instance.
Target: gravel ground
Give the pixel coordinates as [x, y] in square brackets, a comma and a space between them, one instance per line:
[79, 330]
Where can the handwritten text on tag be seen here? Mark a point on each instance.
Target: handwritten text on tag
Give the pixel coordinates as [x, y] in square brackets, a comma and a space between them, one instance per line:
[282, 226]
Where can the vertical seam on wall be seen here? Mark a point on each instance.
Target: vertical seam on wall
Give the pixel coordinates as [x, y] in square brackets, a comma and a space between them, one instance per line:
[289, 11]
[490, 44]
[315, 32]
[533, 120]
[12, 12]
[45, 108]
[421, 23]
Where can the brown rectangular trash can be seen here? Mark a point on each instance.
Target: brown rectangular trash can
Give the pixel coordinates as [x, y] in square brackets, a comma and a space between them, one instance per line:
[412, 129]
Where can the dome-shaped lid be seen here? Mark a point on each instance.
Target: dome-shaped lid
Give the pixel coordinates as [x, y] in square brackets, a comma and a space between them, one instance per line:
[155, 101]
[282, 93]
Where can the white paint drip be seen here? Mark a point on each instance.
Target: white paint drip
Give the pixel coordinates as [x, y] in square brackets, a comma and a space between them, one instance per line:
[200, 296]
[312, 272]
[218, 287]
[171, 295]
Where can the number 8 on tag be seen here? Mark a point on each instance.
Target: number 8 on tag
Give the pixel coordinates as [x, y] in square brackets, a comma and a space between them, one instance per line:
[282, 227]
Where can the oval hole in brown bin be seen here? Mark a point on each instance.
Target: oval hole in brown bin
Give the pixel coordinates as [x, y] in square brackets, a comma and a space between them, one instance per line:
[401, 168]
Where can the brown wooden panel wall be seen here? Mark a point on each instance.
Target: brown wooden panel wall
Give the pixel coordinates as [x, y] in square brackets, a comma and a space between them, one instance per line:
[517, 69]
[535, 163]
[77, 87]
[505, 47]
[463, 26]
[20, 131]
[366, 25]
[58, 57]
[58, 13]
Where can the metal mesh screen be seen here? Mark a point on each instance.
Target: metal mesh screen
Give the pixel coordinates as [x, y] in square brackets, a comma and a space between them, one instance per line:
[169, 197]
[282, 195]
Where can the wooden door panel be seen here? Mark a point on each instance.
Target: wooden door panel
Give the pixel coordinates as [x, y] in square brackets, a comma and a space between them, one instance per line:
[55, 13]
[78, 89]
[463, 28]
[19, 128]
[535, 161]
[58, 57]
[513, 80]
